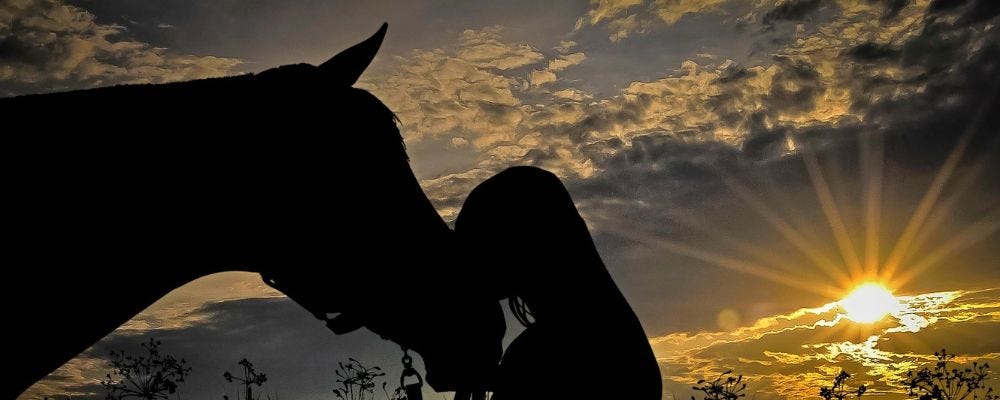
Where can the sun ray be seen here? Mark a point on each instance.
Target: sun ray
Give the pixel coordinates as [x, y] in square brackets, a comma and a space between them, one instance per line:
[871, 172]
[747, 248]
[828, 204]
[926, 204]
[727, 262]
[943, 211]
[790, 234]
[969, 236]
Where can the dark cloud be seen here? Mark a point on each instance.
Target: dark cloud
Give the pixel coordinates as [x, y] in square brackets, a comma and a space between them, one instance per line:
[604, 119]
[794, 87]
[892, 8]
[298, 353]
[949, 95]
[869, 52]
[734, 73]
[791, 10]
[668, 183]
[969, 11]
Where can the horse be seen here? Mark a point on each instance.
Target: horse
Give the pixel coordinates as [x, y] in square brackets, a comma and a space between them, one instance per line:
[118, 195]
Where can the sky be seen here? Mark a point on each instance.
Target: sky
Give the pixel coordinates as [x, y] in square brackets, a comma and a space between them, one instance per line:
[743, 165]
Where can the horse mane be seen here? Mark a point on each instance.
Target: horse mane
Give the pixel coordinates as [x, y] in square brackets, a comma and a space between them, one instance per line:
[269, 91]
[379, 113]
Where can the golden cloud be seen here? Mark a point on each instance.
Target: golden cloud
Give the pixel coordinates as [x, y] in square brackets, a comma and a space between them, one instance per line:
[671, 11]
[792, 355]
[57, 46]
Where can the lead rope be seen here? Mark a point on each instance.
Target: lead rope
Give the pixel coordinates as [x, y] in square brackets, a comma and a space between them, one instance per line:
[521, 311]
[414, 388]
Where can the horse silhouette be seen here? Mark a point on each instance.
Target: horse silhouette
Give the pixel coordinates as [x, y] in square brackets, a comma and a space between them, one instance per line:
[117, 195]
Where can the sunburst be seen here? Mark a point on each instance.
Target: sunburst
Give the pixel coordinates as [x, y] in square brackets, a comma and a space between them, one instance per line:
[860, 257]
[869, 303]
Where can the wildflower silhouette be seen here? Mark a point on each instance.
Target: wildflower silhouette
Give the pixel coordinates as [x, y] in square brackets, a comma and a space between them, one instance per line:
[250, 377]
[725, 387]
[955, 383]
[358, 382]
[150, 377]
[839, 389]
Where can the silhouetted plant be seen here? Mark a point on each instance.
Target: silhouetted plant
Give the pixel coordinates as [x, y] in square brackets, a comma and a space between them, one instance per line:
[398, 394]
[250, 378]
[725, 387]
[839, 389]
[942, 383]
[358, 382]
[149, 377]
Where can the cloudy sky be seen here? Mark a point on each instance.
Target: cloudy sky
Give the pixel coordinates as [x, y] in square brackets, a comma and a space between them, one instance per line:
[742, 164]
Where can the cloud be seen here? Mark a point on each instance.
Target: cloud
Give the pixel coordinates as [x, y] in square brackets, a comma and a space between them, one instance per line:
[671, 11]
[296, 351]
[572, 94]
[794, 354]
[79, 378]
[715, 163]
[609, 9]
[565, 61]
[484, 49]
[666, 152]
[466, 90]
[538, 78]
[473, 92]
[182, 308]
[47, 45]
[547, 75]
[623, 27]
[565, 46]
[763, 110]
[704, 174]
[629, 17]
[791, 10]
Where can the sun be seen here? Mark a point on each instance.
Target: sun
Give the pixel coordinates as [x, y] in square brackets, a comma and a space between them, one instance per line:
[869, 303]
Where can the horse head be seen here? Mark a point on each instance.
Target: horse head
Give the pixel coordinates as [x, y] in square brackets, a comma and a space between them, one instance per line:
[386, 261]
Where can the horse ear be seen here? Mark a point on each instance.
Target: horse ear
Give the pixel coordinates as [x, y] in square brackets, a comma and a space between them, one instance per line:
[347, 66]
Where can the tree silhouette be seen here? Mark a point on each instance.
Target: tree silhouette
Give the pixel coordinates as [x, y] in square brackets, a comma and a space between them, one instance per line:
[358, 382]
[149, 377]
[250, 378]
[725, 387]
[839, 389]
[942, 383]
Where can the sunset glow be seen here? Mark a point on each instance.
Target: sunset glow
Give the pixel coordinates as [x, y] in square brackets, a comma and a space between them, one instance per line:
[786, 189]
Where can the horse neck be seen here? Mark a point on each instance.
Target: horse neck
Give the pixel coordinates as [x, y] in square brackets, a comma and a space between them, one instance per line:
[105, 298]
[69, 307]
